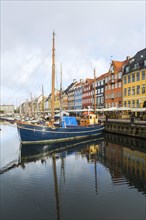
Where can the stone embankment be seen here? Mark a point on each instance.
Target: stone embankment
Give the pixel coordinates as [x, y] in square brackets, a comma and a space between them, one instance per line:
[125, 127]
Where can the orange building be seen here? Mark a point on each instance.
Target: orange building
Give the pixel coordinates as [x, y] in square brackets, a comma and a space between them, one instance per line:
[113, 85]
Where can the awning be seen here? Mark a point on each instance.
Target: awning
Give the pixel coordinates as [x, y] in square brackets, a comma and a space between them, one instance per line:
[138, 110]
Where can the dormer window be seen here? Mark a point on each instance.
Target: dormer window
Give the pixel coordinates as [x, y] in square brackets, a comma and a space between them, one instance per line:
[144, 62]
[132, 60]
[112, 69]
[136, 65]
[127, 69]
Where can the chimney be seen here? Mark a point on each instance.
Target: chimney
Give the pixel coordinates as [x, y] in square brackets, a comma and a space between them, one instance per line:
[128, 58]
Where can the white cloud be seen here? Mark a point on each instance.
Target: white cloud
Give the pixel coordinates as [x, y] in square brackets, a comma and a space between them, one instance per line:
[87, 35]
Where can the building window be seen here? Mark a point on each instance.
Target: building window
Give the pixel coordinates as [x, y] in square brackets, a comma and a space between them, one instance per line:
[129, 79]
[102, 100]
[137, 76]
[133, 103]
[129, 104]
[133, 77]
[119, 84]
[137, 103]
[125, 92]
[129, 91]
[138, 89]
[143, 88]
[143, 75]
[120, 75]
[125, 80]
[133, 90]
[125, 103]
[112, 95]
[119, 94]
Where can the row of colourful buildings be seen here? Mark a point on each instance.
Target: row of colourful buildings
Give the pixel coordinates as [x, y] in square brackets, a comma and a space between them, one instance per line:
[124, 85]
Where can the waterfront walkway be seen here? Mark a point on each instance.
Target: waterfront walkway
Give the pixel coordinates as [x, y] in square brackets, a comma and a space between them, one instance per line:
[136, 121]
[136, 128]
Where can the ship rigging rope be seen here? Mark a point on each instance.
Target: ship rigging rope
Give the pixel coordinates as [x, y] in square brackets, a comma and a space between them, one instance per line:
[31, 74]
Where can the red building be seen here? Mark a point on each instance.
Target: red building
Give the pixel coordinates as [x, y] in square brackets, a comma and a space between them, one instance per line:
[87, 94]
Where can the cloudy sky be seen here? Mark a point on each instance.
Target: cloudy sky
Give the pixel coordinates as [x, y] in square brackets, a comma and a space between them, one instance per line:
[88, 35]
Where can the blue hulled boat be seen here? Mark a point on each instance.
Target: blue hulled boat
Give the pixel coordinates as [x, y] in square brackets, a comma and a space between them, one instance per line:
[32, 134]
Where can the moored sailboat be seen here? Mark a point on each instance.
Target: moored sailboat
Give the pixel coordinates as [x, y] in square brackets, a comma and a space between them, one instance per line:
[69, 128]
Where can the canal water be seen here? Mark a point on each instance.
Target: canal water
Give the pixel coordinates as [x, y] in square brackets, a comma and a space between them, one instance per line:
[103, 179]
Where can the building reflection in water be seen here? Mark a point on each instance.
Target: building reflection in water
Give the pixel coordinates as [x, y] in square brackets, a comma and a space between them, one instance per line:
[124, 157]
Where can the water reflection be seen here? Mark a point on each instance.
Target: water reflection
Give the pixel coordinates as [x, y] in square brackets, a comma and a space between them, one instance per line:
[86, 175]
[87, 147]
[124, 157]
[31, 153]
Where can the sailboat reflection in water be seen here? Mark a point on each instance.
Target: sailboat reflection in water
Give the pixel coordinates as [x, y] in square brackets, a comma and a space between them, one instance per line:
[33, 153]
[87, 147]
[69, 128]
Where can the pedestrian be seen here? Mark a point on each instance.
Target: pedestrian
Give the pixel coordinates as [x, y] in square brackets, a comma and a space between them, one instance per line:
[132, 118]
[106, 118]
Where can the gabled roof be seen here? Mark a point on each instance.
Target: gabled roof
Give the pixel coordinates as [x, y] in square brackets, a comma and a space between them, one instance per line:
[117, 65]
[79, 84]
[136, 62]
[139, 56]
[101, 76]
[89, 81]
[69, 87]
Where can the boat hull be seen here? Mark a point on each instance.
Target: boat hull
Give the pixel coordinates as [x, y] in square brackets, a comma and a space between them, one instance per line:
[34, 134]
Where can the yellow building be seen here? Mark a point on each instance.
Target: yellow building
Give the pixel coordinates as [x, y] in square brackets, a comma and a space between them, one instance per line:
[134, 162]
[134, 81]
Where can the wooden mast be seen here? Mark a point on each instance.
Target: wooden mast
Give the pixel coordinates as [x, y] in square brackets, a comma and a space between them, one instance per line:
[42, 99]
[60, 88]
[53, 77]
[56, 187]
[94, 93]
